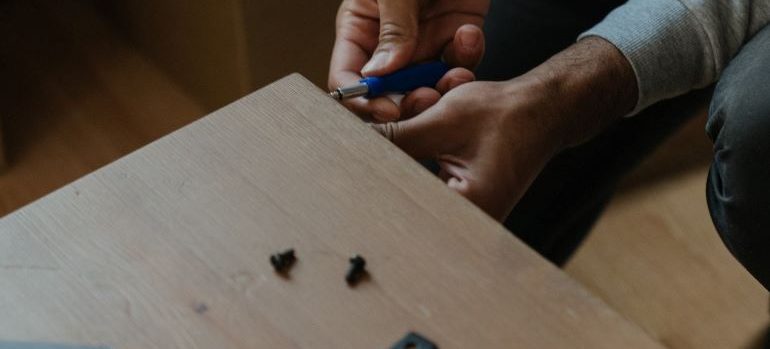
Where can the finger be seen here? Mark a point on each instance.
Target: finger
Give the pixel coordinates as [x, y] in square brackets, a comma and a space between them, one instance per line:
[422, 137]
[356, 38]
[454, 78]
[437, 34]
[381, 108]
[459, 177]
[421, 99]
[346, 57]
[397, 39]
[418, 101]
[466, 48]
[482, 184]
[479, 193]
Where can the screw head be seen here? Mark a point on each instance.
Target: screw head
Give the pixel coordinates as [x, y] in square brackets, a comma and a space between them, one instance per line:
[283, 261]
[357, 270]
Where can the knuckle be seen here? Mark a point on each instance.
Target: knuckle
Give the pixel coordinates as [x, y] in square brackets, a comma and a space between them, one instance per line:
[393, 32]
[457, 103]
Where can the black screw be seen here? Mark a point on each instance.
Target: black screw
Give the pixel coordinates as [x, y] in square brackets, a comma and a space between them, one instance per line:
[283, 261]
[201, 308]
[357, 270]
[414, 340]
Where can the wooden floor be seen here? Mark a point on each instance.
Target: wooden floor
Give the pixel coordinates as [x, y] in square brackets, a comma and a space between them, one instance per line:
[89, 98]
[656, 258]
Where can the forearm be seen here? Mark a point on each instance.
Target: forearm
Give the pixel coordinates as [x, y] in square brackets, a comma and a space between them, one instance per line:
[583, 90]
[675, 46]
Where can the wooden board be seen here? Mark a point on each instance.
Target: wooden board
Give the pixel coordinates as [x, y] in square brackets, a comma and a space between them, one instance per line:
[168, 247]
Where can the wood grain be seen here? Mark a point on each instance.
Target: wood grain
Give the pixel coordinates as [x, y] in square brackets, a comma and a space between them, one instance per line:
[656, 258]
[168, 247]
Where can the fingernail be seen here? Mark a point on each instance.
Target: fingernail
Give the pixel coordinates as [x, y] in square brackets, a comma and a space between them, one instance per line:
[378, 61]
[469, 41]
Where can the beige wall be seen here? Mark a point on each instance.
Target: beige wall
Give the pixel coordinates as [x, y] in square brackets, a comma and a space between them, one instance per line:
[289, 36]
[198, 42]
[222, 49]
[2, 146]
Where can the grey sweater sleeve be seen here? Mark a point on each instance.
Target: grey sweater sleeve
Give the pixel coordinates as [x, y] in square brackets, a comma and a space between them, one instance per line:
[675, 46]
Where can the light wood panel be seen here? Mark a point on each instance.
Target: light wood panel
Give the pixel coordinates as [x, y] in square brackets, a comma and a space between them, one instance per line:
[168, 247]
[656, 258]
[74, 96]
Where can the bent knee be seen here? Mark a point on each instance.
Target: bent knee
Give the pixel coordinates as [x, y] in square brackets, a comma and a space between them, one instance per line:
[739, 181]
[740, 130]
[739, 185]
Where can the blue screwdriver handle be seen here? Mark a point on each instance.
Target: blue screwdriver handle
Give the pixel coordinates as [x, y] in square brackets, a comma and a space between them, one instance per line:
[407, 79]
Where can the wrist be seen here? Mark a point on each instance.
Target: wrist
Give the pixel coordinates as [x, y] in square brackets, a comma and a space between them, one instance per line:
[530, 117]
[583, 90]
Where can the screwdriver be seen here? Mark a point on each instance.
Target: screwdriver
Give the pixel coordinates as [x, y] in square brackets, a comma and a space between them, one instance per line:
[402, 81]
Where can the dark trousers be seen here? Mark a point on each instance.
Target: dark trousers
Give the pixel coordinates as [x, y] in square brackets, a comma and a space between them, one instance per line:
[561, 206]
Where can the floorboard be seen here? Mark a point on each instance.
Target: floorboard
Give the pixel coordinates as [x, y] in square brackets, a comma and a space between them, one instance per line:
[656, 258]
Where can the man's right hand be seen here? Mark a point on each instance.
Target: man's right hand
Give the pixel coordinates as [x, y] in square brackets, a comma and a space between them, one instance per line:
[492, 139]
[378, 37]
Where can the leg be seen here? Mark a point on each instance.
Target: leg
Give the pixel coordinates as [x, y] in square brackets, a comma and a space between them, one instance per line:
[738, 190]
[561, 206]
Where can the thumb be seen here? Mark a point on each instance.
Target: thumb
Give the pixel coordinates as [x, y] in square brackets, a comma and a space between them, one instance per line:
[422, 137]
[398, 37]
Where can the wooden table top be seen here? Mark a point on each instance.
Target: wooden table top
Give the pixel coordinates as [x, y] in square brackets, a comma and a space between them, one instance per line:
[168, 247]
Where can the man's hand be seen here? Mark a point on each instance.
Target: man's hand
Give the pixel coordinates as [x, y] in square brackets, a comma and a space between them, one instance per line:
[487, 139]
[378, 37]
[492, 139]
